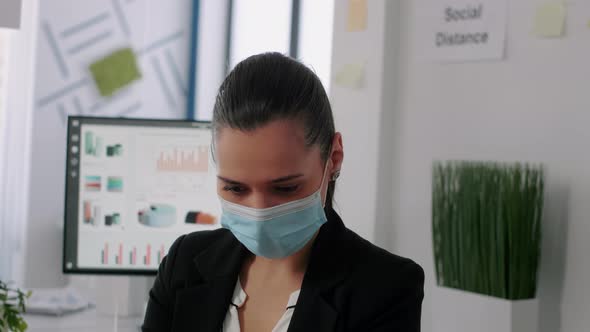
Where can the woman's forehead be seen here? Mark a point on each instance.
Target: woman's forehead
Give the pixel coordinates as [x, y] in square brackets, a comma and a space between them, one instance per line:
[278, 147]
[276, 137]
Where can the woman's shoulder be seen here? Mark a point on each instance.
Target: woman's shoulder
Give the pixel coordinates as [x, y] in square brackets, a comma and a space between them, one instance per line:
[380, 268]
[380, 287]
[191, 244]
[187, 247]
[378, 290]
[365, 260]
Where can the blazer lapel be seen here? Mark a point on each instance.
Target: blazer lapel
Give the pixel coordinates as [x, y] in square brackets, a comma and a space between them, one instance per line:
[313, 313]
[329, 264]
[203, 307]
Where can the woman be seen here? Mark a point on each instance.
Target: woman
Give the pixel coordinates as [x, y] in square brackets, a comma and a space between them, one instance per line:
[284, 259]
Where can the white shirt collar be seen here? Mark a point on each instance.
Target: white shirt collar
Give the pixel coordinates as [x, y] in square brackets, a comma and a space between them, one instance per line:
[239, 297]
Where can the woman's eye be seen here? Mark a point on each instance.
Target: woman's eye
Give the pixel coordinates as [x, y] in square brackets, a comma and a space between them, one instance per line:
[286, 189]
[234, 189]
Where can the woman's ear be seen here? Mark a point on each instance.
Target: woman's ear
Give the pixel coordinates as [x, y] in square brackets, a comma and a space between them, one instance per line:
[336, 156]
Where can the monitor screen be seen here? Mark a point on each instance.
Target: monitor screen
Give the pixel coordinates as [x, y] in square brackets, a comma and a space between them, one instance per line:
[133, 187]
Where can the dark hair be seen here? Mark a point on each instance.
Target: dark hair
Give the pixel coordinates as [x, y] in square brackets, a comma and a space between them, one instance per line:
[272, 86]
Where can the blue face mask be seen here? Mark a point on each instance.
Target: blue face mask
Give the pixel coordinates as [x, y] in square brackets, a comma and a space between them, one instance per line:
[278, 231]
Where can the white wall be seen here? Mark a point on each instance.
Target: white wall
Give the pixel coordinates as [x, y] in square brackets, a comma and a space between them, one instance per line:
[534, 106]
[364, 194]
[531, 107]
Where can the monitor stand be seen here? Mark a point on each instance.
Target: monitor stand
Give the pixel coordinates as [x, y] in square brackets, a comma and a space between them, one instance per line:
[123, 296]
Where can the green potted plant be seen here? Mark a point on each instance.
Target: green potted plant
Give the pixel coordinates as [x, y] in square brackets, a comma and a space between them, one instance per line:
[12, 305]
[486, 233]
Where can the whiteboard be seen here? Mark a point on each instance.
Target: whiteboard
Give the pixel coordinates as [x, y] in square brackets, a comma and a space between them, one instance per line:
[74, 34]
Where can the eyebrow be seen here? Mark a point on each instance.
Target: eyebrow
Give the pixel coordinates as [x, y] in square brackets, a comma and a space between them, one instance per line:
[287, 178]
[278, 180]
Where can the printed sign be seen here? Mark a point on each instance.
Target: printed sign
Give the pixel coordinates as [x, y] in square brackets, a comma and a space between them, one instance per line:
[462, 30]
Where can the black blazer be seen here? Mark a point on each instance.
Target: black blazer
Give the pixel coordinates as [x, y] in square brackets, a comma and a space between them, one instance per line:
[349, 285]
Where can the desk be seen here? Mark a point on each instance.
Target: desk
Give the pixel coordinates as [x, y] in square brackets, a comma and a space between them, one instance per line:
[84, 321]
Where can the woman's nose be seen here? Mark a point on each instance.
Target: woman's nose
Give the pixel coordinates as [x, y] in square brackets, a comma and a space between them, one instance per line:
[259, 201]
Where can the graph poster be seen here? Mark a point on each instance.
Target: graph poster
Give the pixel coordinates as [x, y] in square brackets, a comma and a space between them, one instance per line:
[140, 189]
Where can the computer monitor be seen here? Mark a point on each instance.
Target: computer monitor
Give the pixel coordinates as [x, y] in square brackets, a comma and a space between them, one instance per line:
[133, 186]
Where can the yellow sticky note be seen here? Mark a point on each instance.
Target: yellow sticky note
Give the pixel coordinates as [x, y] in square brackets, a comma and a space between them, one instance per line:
[115, 71]
[351, 75]
[550, 19]
[357, 15]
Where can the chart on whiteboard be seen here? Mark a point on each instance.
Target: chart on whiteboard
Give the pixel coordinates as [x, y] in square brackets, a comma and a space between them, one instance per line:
[112, 58]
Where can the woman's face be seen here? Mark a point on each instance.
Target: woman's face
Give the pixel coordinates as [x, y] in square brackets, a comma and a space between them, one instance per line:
[271, 165]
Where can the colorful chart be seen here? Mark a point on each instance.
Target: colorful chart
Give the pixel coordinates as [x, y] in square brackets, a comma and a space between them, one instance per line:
[104, 254]
[200, 217]
[112, 219]
[157, 215]
[147, 259]
[115, 184]
[92, 183]
[124, 254]
[133, 256]
[115, 150]
[91, 213]
[92, 144]
[180, 160]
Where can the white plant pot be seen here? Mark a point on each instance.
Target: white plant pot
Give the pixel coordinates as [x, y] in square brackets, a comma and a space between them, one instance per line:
[459, 311]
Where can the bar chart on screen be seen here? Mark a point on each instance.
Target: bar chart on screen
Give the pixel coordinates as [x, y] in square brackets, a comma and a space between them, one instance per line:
[133, 256]
[125, 255]
[161, 254]
[148, 255]
[183, 159]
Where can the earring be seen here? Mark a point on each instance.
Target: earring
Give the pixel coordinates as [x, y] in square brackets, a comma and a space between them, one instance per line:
[335, 175]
